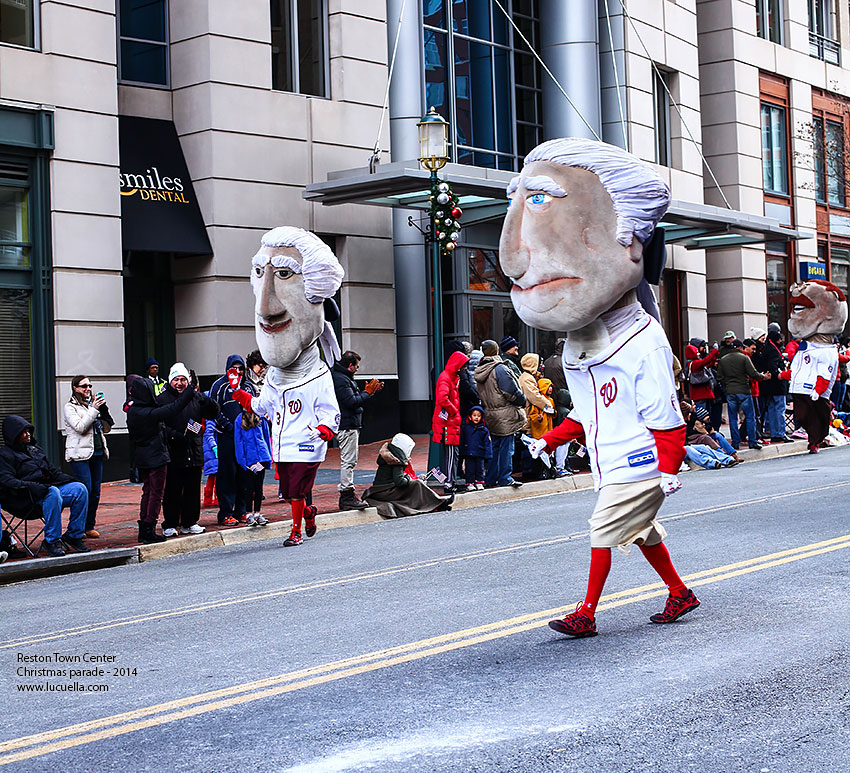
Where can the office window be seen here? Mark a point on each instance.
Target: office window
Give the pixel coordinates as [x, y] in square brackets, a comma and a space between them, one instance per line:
[776, 255]
[299, 46]
[17, 22]
[774, 149]
[829, 152]
[480, 76]
[661, 99]
[819, 152]
[769, 20]
[143, 41]
[839, 272]
[822, 43]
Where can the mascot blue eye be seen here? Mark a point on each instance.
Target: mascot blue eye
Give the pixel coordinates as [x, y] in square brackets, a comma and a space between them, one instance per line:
[539, 198]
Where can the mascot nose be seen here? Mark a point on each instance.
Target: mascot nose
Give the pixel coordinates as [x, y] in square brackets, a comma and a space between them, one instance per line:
[513, 252]
[270, 305]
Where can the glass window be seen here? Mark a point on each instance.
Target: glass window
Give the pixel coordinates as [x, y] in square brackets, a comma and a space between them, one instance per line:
[143, 41]
[14, 227]
[769, 20]
[299, 48]
[479, 77]
[835, 163]
[661, 85]
[839, 273]
[774, 149]
[777, 288]
[820, 159]
[485, 274]
[16, 353]
[820, 13]
[17, 22]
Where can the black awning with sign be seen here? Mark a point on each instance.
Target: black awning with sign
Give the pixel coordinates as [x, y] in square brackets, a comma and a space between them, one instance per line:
[159, 210]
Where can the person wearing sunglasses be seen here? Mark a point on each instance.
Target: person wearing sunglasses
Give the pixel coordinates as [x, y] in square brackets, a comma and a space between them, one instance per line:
[86, 423]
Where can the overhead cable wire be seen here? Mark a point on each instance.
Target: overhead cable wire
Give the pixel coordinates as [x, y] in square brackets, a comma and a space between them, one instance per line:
[548, 71]
[616, 77]
[673, 102]
[376, 151]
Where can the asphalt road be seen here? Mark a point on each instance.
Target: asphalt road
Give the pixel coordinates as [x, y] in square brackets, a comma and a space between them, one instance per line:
[421, 645]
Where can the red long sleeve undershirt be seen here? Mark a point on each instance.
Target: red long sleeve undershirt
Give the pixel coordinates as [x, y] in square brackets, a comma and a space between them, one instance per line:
[671, 448]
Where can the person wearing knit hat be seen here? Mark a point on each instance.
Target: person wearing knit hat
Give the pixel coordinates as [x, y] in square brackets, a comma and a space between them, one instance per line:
[509, 349]
[181, 499]
[757, 333]
[152, 372]
[580, 244]
[504, 409]
[294, 276]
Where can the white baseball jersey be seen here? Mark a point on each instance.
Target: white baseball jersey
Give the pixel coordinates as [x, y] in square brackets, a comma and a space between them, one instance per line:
[809, 363]
[296, 409]
[619, 395]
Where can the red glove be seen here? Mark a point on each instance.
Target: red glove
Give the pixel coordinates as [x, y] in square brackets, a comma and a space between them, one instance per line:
[243, 398]
[324, 433]
[409, 470]
[233, 378]
[785, 375]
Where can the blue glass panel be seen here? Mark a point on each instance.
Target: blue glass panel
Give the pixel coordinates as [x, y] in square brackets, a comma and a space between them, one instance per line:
[502, 69]
[433, 13]
[143, 62]
[484, 159]
[472, 17]
[436, 74]
[143, 19]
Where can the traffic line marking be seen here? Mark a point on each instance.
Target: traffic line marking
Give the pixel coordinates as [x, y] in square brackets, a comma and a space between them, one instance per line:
[371, 575]
[40, 744]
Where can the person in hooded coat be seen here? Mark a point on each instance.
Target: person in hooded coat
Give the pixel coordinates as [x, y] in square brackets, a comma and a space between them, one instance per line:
[144, 423]
[27, 479]
[396, 491]
[553, 368]
[230, 477]
[772, 392]
[701, 378]
[467, 389]
[476, 446]
[447, 416]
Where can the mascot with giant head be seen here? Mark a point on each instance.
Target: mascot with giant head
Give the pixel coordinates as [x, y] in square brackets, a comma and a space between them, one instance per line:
[818, 313]
[294, 277]
[580, 245]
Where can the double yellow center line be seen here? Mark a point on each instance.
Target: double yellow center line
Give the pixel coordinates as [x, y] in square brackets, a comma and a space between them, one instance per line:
[39, 744]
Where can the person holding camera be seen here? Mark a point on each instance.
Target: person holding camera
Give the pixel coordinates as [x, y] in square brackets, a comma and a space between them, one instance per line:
[181, 501]
[86, 423]
[351, 401]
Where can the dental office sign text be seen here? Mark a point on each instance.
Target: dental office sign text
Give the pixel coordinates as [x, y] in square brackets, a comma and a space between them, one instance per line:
[150, 186]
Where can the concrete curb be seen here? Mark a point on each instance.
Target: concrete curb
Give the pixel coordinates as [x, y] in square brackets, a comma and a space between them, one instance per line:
[97, 559]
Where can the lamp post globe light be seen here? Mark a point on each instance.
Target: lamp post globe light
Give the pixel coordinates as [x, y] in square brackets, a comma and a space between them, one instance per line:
[433, 155]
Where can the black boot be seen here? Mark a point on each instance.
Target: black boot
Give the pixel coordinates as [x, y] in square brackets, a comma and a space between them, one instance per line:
[147, 535]
[348, 500]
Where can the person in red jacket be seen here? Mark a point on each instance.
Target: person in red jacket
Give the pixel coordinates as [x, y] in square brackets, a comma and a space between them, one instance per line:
[447, 418]
[700, 360]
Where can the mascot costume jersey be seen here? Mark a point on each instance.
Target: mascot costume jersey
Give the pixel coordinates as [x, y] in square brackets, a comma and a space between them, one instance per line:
[818, 312]
[294, 277]
[580, 245]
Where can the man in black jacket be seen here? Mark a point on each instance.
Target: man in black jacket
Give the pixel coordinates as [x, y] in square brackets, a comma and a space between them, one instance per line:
[144, 423]
[27, 479]
[351, 401]
[181, 502]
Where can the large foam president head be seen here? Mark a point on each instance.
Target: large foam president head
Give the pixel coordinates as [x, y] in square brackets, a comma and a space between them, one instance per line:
[573, 240]
[817, 307]
[292, 275]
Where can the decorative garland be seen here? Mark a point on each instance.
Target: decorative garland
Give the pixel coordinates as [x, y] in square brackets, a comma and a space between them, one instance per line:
[446, 214]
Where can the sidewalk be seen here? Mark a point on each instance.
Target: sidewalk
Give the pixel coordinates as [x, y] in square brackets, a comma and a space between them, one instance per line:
[118, 513]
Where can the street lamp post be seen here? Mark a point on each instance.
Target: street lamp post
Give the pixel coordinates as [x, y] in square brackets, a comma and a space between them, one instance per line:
[433, 155]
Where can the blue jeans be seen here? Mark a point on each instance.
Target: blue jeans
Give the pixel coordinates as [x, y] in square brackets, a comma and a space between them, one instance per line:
[499, 469]
[774, 416]
[734, 403]
[73, 495]
[709, 458]
[723, 442]
[90, 474]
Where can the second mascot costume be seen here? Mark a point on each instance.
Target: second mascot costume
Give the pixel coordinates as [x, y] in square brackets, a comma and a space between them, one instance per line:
[580, 245]
[294, 277]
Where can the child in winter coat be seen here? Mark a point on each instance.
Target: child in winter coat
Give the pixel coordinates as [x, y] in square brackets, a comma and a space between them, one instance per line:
[475, 447]
[253, 453]
[210, 462]
[539, 419]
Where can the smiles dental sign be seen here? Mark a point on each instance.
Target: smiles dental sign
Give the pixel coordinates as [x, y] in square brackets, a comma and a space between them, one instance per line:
[150, 186]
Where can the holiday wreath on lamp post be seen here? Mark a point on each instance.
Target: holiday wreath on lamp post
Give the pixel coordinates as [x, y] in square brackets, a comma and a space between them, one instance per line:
[446, 214]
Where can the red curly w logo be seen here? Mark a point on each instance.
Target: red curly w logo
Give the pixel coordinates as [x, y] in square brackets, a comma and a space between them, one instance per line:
[608, 392]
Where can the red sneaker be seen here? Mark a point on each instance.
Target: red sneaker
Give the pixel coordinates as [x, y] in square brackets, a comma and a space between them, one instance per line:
[675, 607]
[293, 539]
[310, 512]
[577, 624]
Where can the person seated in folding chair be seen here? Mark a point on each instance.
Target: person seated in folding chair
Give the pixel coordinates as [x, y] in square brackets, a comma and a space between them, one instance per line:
[28, 480]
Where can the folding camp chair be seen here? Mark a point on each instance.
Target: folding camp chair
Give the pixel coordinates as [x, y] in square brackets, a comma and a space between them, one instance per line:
[22, 523]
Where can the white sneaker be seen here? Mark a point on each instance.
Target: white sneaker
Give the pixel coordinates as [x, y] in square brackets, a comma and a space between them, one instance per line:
[3, 556]
[169, 532]
[193, 529]
[251, 519]
[260, 520]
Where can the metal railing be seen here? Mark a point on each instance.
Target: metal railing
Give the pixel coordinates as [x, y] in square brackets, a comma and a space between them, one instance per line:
[824, 48]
